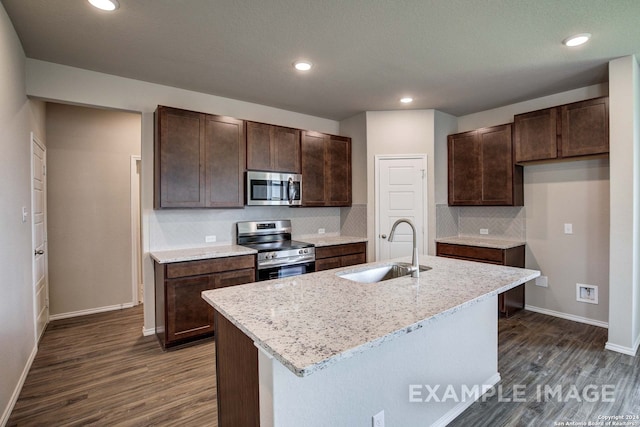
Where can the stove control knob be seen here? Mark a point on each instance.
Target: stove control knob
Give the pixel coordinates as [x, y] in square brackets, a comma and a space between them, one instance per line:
[300, 251]
[306, 251]
[274, 255]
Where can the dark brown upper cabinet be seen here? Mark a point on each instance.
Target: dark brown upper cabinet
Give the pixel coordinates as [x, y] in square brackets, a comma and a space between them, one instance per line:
[272, 148]
[326, 169]
[199, 160]
[481, 168]
[563, 132]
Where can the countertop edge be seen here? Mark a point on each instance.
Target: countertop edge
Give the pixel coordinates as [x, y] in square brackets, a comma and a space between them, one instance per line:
[481, 242]
[200, 253]
[310, 369]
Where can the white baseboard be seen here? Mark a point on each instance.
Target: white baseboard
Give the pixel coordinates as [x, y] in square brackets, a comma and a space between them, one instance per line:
[567, 316]
[90, 311]
[462, 406]
[148, 331]
[16, 392]
[622, 349]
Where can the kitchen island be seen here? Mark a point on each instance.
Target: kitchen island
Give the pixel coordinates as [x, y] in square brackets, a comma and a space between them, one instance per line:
[331, 351]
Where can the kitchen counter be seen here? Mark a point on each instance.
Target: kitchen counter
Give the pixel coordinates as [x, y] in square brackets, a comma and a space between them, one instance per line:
[193, 254]
[482, 242]
[321, 240]
[312, 321]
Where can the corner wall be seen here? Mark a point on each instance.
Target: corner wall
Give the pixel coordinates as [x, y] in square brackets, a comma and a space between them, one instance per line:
[574, 192]
[18, 116]
[624, 126]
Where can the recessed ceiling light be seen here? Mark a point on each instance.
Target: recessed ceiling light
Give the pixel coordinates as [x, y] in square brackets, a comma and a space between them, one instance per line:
[406, 100]
[302, 65]
[576, 40]
[108, 5]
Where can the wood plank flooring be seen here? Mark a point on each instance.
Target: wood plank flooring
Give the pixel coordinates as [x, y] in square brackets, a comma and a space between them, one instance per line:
[98, 370]
[536, 351]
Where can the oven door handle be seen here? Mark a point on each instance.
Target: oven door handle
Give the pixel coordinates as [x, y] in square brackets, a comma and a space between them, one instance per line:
[302, 259]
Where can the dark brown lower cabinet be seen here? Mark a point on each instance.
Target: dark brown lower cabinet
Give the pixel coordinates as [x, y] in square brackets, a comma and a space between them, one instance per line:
[508, 302]
[328, 257]
[181, 313]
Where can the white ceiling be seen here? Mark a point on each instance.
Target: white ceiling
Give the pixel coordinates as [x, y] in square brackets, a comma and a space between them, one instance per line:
[457, 56]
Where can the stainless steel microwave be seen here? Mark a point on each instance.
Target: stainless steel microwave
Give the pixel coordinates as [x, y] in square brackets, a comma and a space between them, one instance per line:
[274, 188]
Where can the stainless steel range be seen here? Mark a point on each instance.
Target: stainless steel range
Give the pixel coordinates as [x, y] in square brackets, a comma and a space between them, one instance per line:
[278, 255]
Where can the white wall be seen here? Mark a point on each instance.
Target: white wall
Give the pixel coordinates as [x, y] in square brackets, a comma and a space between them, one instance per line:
[554, 194]
[624, 122]
[356, 128]
[445, 125]
[400, 132]
[65, 84]
[18, 116]
[89, 207]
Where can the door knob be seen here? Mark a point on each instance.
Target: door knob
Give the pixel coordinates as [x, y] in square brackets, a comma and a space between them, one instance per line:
[38, 252]
[384, 236]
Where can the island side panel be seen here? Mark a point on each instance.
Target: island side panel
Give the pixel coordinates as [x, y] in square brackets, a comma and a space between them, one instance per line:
[456, 350]
[236, 376]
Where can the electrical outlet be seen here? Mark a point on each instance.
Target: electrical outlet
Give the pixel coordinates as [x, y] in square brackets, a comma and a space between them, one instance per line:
[484, 231]
[210, 239]
[378, 419]
[542, 281]
[568, 229]
[320, 230]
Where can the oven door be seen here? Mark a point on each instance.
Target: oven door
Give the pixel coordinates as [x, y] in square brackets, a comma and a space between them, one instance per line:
[286, 271]
[268, 188]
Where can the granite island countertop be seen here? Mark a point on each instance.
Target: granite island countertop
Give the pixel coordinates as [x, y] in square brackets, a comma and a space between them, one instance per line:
[194, 254]
[483, 242]
[311, 321]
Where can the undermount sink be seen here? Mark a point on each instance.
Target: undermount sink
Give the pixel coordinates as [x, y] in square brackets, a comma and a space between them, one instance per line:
[381, 272]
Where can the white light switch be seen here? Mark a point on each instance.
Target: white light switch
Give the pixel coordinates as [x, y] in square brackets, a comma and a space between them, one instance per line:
[568, 229]
[25, 214]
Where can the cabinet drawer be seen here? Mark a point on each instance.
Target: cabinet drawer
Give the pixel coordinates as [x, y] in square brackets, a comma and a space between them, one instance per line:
[207, 266]
[353, 259]
[340, 250]
[473, 253]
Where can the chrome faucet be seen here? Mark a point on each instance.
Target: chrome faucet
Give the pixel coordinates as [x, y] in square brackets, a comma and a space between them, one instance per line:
[415, 267]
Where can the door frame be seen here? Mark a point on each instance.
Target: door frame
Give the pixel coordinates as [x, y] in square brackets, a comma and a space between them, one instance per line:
[136, 241]
[35, 140]
[425, 198]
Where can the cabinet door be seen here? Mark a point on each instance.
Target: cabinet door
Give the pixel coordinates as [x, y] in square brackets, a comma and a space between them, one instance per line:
[585, 128]
[313, 168]
[496, 165]
[258, 146]
[464, 169]
[179, 154]
[536, 135]
[339, 171]
[187, 314]
[224, 161]
[285, 149]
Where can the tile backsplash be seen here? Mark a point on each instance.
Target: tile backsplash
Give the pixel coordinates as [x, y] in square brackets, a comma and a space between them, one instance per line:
[503, 222]
[353, 221]
[181, 228]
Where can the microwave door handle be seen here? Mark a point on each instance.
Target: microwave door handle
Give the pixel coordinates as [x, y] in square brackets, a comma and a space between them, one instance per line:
[290, 191]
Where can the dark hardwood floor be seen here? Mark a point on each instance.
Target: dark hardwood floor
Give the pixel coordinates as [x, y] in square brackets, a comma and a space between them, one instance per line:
[98, 370]
[567, 362]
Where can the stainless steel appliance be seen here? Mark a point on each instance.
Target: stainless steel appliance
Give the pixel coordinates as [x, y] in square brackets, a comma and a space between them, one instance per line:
[273, 188]
[278, 255]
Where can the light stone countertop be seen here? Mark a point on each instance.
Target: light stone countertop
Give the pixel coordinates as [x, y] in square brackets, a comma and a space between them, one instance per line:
[311, 321]
[206, 252]
[482, 242]
[329, 240]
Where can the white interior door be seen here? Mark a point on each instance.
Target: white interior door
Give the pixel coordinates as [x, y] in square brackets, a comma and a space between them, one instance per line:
[400, 193]
[39, 232]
